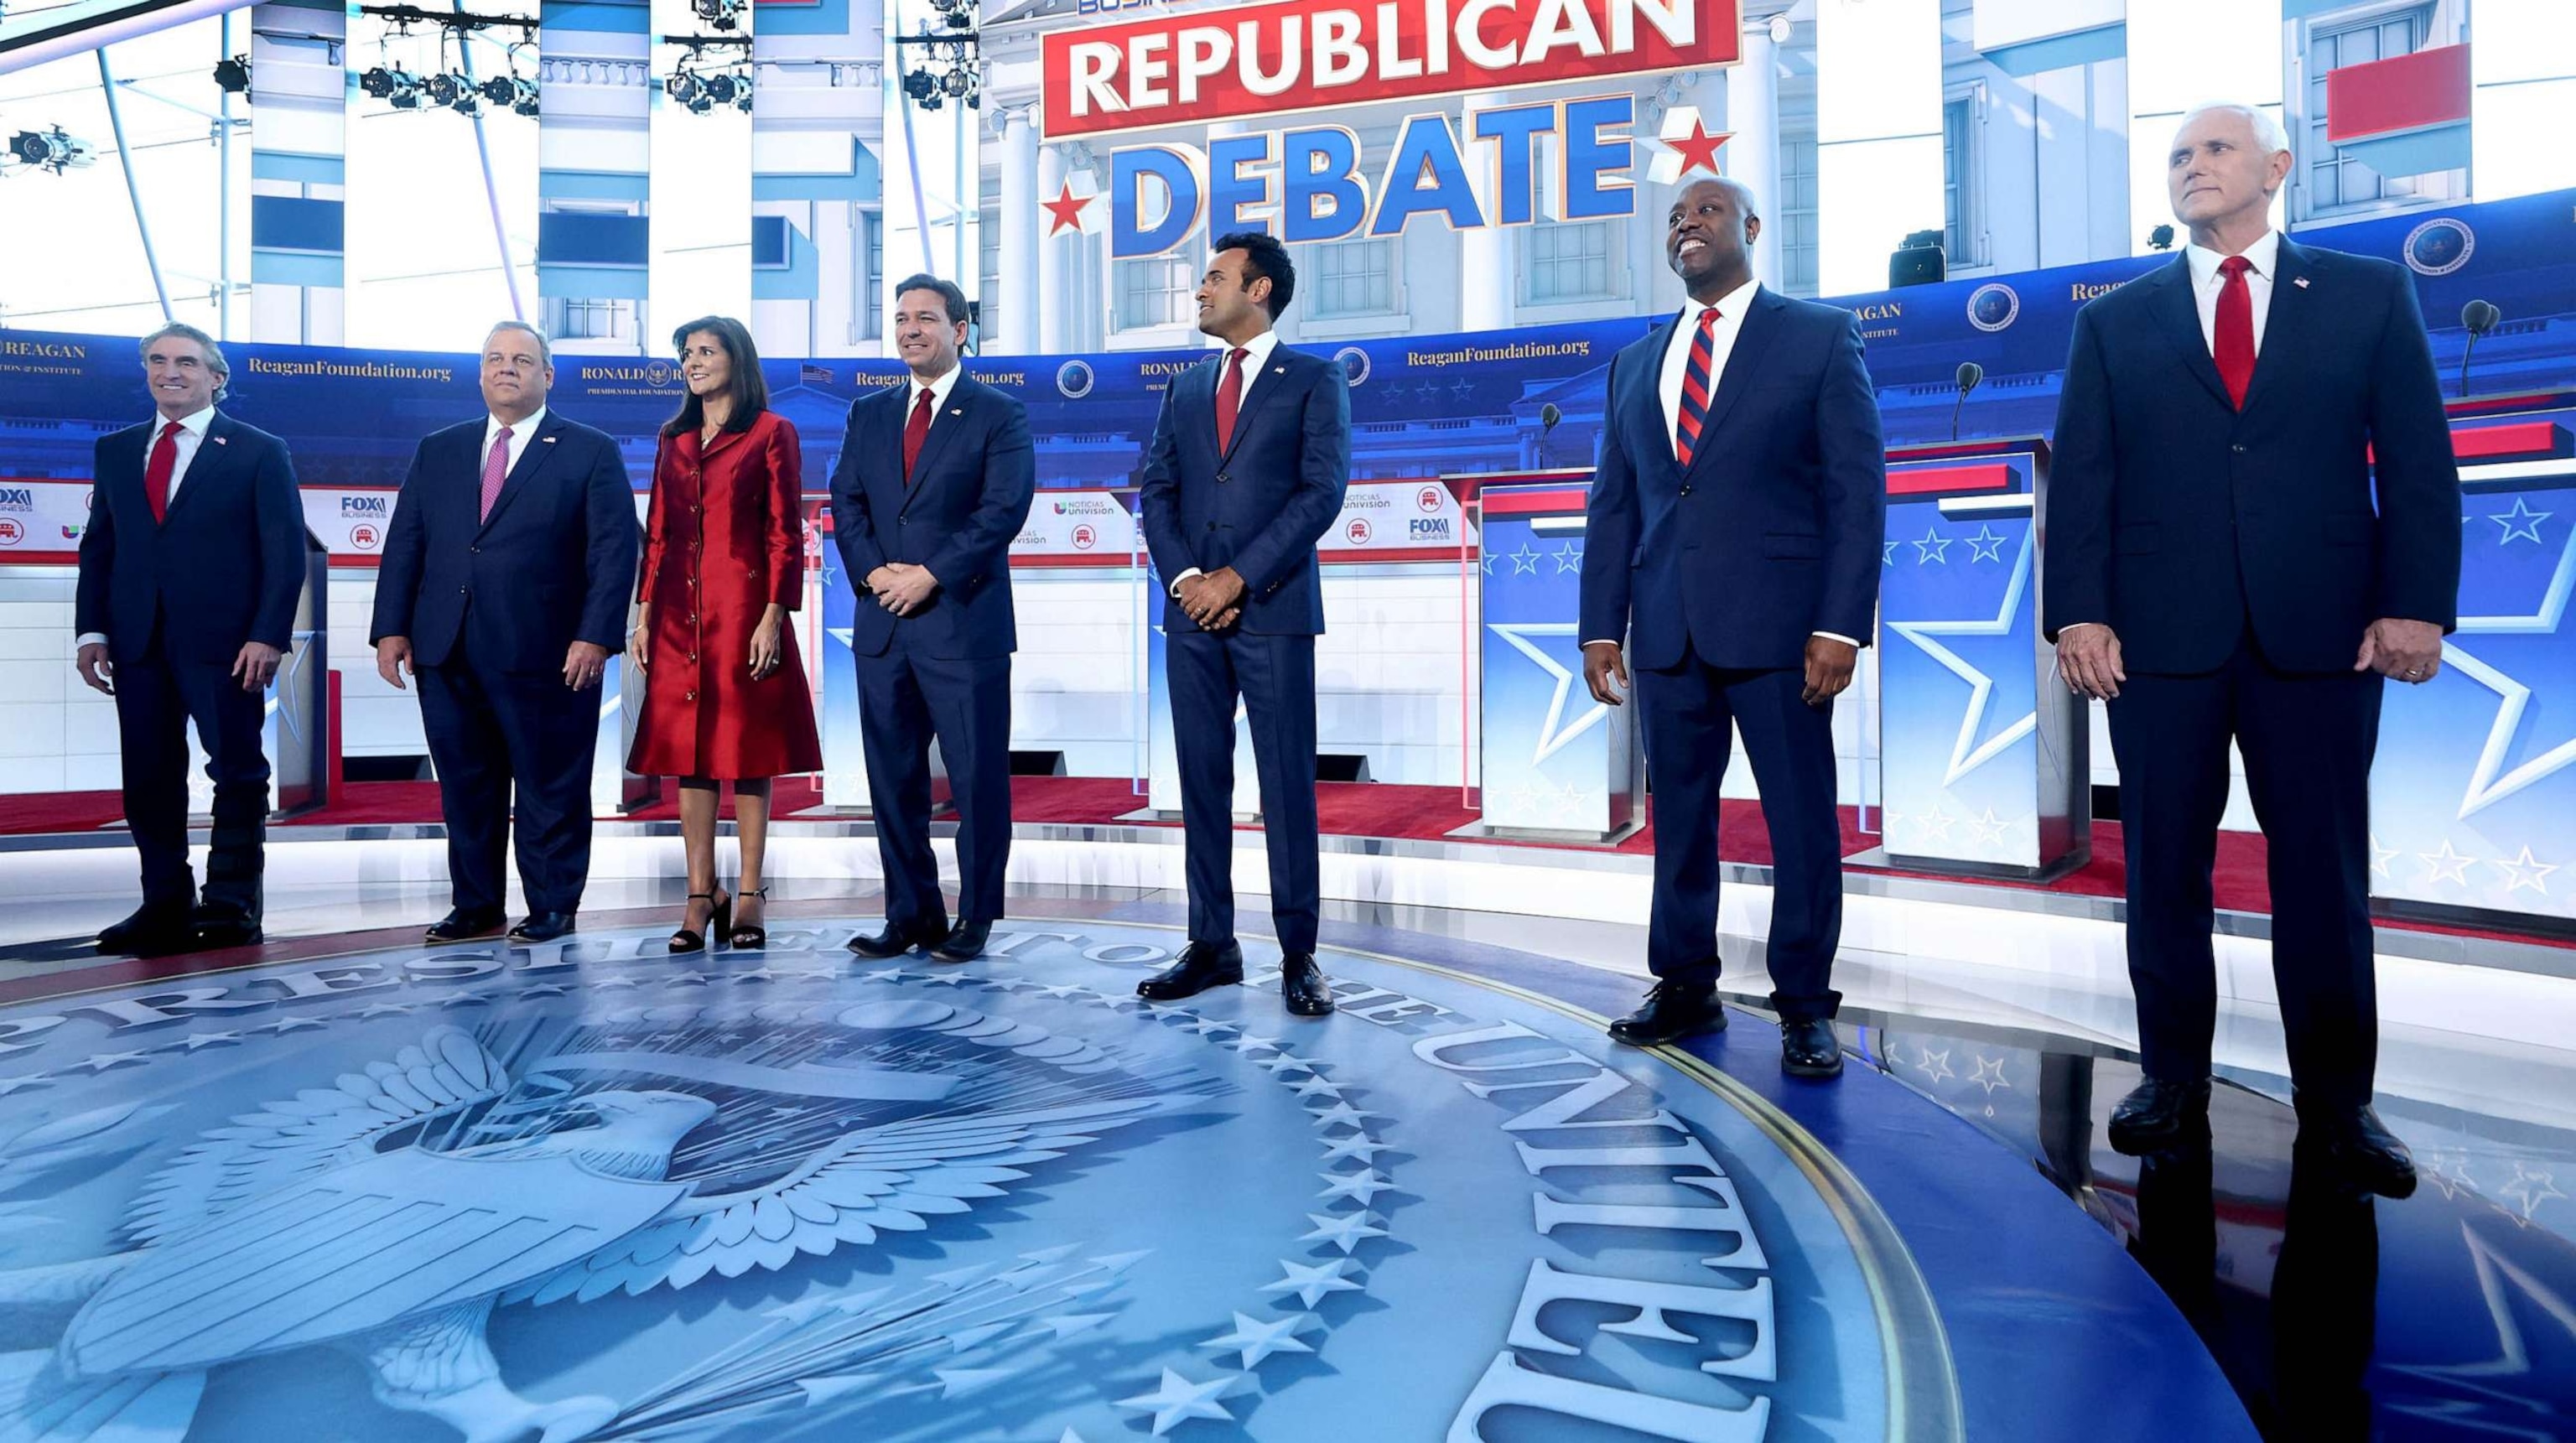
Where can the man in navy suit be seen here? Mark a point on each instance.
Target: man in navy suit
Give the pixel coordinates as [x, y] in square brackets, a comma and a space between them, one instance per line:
[1246, 471]
[2215, 570]
[934, 480]
[190, 569]
[1732, 541]
[503, 589]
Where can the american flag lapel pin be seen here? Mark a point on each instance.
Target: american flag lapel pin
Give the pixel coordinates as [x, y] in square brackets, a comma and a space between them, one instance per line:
[220, 441]
[549, 440]
[2300, 281]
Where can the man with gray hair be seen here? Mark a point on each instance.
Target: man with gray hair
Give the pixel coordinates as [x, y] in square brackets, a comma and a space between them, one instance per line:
[2217, 570]
[190, 569]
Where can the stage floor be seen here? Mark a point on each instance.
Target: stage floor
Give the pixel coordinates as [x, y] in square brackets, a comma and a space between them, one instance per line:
[346, 1187]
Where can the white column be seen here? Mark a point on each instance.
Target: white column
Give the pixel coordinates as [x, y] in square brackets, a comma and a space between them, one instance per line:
[1015, 331]
[1055, 299]
[1486, 284]
[1753, 156]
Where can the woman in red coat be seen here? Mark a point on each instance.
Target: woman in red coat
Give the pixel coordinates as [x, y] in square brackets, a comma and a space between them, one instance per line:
[724, 562]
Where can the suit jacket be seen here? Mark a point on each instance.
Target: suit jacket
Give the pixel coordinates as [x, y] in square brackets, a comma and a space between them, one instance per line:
[225, 566]
[1261, 506]
[968, 497]
[1773, 532]
[2174, 517]
[552, 565]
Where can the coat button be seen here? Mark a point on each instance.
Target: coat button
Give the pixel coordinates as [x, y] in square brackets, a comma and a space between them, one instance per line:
[1211, 526]
[2238, 448]
[475, 550]
[1223, 477]
[692, 696]
[1685, 491]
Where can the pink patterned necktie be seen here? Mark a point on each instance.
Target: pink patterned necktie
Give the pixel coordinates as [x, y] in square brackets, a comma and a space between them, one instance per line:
[496, 469]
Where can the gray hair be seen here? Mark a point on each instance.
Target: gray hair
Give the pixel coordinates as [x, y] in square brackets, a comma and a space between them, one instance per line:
[545, 353]
[2267, 131]
[215, 361]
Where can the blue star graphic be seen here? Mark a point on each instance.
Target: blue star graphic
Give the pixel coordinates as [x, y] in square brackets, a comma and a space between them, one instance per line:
[1986, 545]
[1934, 547]
[1553, 731]
[2490, 782]
[1967, 753]
[1569, 559]
[2520, 523]
[1890, 555]
[1524, 561]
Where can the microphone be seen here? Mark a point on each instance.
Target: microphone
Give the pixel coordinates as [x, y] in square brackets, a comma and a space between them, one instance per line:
[1970, 373]
[1548, 416]
[2480, 317]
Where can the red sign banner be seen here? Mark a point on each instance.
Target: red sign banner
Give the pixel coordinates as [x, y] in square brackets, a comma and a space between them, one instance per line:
[1296, 55]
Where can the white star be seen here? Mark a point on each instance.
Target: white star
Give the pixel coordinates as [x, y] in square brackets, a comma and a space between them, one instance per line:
[1180, 1399]
[1935, 1065]
[616, 979]
[384, 1009]
[1257, 1340]
[102, 1061]
[1358, 1147]
[195, 1040]
[1551, 738]
[545, 989]
[1888, 556]
[2446, 865]
[2522, 872]
[1212, 1027]
[1986, 545]
[1933, 547]
[1318, 1087]
[1936, 824]
[1989, 1074]
[1342, 1114]
[1343, 1230]
[1569, 558]
[1249, 1043]
[1988, 828]
[1063, 990]
[466, 999]
[2490, 783]
[1359, 1187]
[1966, 753]
[2529, 1187]
[1285, 1063]
[1309, 1284]
[757, 974]
[2380, 856]
[285, 1025]
[2521, 521]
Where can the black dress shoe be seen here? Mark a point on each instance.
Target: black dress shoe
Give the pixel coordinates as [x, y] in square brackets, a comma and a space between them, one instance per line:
[1202, 965]
[150, 932]
[2364, 1152]
[1673, 1011]
[543, 927]
[219, 927]
[1303, 983]
[1808, 1048]
[965, 944]
[461, 925]
[2157, 1114]
[898, 938]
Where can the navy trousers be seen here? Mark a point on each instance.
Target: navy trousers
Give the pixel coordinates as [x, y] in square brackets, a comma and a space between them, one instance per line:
[493, 733]
[906, 699]
[156, 698]
[1274, 676]
[1685, 711]
[2308, 739]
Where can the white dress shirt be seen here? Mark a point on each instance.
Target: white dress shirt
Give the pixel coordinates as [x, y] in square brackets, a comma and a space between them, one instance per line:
[1730, 308]
[521, 433]
[2262, 256]
[192, 434]
[1256, 360]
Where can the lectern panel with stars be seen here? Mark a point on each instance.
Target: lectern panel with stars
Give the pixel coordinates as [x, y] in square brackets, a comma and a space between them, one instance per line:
[1554, 759]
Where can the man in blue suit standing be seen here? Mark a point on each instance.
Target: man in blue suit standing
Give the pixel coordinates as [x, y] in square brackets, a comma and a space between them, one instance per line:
[2216, 570]
[1732, 541]
[190, 569]
[934, 480]
[1246, 471]
[503, 589]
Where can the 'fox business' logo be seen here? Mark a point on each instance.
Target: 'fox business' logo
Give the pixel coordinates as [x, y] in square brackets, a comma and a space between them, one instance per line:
[17, 498]
[363, 506]
[1429, 529]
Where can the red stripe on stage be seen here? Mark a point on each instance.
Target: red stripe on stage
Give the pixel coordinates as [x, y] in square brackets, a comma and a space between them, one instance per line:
[2513, 440]
[2394, 96]
[1524, 503]
[1992, 476]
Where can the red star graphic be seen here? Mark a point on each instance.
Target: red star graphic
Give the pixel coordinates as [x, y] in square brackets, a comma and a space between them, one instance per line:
[1066, 209]
[1698, 149]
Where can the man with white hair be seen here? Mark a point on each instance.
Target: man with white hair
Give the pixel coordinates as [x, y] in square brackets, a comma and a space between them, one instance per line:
[2216, 571]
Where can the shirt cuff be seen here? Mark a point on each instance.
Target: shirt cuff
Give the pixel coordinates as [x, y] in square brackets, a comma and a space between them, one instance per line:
[2078, 626]
[1184, 576]
[1838, 636]
[89, 638]
[1601, 641]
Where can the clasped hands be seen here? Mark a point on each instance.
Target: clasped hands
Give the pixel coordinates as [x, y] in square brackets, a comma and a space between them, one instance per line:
[1213, 599]
[902, 587]
[2088, 655]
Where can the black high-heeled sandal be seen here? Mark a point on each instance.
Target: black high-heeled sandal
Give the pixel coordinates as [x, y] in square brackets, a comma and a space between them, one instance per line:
[720, 924]
[751, 936]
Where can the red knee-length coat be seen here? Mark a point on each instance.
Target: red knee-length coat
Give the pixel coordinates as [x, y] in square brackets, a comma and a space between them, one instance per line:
[724, 537]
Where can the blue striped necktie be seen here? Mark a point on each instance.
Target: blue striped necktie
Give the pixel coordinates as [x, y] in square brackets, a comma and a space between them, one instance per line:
[1695, 384]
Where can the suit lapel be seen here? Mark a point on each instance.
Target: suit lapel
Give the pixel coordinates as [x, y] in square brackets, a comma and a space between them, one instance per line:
[1273, 374]
[1645, 401]
[2285, 325]
[944, 426]
[2178, 316]
[1743, 361]
[531, 461]
[207, 467]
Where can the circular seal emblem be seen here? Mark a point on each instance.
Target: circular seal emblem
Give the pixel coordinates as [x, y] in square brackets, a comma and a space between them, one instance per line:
[660, 373]
[1084, 538]
[1073, 380]
[1993, 306]
[1428, 499]
[1354, 363]
[2440, 246]
[363, 536]
[1358, 531]
[11, 533]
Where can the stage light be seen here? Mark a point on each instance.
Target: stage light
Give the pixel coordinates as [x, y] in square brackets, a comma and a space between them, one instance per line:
[684, 87]
[233, 75]
[445, 90]
[386, 82]
[721, 14]
[515, 93]
[51, 149]
[723, 89]
[954, 82]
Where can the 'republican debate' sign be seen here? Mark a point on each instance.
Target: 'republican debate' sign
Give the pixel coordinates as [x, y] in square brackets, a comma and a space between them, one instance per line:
[1298, 56]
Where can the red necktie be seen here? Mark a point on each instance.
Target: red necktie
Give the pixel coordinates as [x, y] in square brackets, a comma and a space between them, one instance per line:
[1695, 379]
[157, 471]
[915, 431]
[2233, 346]
[1229, 397]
